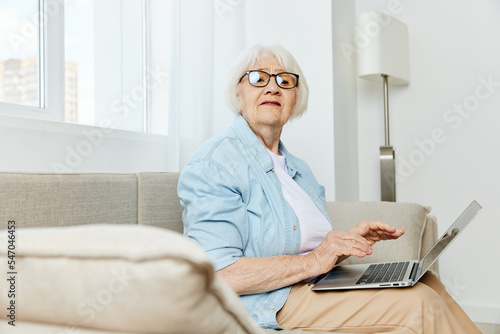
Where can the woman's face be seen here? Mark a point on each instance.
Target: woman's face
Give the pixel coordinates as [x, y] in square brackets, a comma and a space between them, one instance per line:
[269, 105]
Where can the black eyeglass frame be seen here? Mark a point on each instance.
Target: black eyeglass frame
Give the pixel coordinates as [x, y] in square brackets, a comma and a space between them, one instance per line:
[269, 78]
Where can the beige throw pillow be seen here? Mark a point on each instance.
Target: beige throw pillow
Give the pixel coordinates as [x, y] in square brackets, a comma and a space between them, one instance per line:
[130, 279]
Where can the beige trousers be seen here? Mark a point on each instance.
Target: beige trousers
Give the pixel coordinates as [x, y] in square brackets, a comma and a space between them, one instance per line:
[424, 308]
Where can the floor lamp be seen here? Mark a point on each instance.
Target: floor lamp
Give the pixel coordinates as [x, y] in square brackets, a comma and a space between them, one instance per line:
[384, 58]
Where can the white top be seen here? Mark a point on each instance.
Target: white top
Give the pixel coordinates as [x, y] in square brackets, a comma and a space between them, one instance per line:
[313, 224]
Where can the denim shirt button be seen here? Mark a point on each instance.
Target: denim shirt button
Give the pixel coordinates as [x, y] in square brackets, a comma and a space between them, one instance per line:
[294, 227]
[271, 308]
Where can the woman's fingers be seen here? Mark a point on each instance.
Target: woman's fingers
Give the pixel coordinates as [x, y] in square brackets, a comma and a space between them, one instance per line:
[384, 229]
[347, 243]
[335, 245]
[376, 231]
[361, 244]
[355, 242]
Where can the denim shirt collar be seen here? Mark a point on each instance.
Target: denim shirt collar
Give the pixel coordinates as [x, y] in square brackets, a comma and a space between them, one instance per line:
[257, 149]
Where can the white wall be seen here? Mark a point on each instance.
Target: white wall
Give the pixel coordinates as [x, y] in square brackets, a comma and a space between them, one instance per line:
[28, 145]
[345, 103]
[304, 28]
[454, 49]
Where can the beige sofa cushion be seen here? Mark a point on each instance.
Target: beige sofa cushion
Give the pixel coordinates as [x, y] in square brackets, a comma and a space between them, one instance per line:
[129, 279]
[159, 204]
[45, 199]
[408, 216]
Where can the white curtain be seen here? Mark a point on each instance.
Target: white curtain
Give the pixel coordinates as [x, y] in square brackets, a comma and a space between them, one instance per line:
[208, 35]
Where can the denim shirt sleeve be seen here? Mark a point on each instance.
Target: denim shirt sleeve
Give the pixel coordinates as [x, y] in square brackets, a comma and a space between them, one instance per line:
[214, 214]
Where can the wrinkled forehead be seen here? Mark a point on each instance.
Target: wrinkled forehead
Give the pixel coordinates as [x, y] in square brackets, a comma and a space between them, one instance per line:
[268, 62]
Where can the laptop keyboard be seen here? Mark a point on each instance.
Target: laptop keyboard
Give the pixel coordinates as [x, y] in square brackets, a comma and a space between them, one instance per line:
[384, 272]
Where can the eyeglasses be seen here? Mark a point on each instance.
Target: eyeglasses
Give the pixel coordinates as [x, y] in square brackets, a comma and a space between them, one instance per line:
[284, 80]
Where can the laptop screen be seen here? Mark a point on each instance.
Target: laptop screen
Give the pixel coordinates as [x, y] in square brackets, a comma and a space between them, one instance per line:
[447, 238]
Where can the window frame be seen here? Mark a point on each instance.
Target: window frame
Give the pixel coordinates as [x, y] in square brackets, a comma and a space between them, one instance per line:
[51, 62]
[51, 67]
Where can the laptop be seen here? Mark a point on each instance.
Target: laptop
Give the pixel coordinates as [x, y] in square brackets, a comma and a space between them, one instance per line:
[394, 274]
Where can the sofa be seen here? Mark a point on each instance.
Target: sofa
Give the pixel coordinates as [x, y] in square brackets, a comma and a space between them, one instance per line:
[102, 253]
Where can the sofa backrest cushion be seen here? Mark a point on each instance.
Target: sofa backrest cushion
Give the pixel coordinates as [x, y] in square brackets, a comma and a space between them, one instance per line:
[159, 204]
[408, 216]
[42, 200]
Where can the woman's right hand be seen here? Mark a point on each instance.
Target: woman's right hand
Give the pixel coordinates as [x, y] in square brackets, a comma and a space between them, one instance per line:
[250, 275]
[336, 245]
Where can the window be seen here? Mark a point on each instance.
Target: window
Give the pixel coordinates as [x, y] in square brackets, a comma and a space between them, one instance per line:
[85, 61]
[20, 53]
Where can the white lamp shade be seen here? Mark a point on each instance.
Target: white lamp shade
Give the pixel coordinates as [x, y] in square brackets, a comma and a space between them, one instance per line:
[383, 48]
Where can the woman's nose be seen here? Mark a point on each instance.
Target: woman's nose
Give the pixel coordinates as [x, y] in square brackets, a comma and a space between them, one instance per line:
[272, 87]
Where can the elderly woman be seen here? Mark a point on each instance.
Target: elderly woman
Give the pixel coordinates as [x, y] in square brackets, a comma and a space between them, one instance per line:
[261, 216]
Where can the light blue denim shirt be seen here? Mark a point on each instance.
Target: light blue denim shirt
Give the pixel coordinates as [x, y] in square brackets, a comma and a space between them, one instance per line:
[233, 207]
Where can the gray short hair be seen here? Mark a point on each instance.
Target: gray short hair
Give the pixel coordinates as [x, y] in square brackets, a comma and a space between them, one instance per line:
[252, 55]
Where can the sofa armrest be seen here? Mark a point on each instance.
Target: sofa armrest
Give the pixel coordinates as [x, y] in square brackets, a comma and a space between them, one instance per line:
[120, 279]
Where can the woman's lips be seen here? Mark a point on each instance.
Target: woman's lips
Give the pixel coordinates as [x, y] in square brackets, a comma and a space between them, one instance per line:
[272, 103]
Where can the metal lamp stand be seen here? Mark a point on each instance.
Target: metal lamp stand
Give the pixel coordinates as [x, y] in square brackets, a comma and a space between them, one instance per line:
[387, 155]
